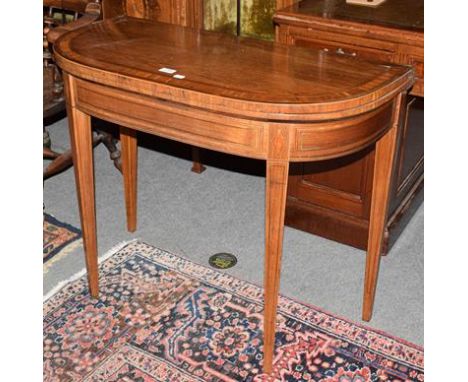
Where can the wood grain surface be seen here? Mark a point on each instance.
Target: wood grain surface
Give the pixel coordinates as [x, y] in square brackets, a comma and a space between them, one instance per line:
[240, 96]
[226, 73]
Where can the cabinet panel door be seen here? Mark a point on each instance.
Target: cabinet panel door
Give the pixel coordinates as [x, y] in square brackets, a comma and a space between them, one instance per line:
[340, 184]
[409, 166]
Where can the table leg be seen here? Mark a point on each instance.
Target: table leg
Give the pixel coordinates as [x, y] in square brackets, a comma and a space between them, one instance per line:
[276, 187]
[82, 151]
[383, 165]
[129, 156]
[196, 159]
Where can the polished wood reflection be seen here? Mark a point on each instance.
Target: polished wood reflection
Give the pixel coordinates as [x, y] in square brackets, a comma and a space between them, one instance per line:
[240, 96]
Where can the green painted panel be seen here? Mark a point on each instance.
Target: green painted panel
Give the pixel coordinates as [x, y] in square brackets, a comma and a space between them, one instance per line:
[220, 15]
[256, 17]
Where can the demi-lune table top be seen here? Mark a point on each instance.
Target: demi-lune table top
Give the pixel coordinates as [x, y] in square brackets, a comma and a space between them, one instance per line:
[227, 73]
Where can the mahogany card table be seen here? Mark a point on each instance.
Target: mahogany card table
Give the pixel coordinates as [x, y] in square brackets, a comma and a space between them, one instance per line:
[240, 96]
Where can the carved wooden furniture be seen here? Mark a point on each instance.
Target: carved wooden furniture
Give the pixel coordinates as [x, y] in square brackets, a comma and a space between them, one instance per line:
[53, 99]
[188, 13]
[61, 16]
[239, 96]
[333, 198]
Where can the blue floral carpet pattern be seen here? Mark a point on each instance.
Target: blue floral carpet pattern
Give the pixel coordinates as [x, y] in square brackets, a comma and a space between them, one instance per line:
[163, 318]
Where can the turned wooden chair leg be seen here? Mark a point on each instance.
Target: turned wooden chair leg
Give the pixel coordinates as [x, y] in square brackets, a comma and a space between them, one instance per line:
[196, 158]
[128, 145]
[276, 187]
[111, 144]
[47, 153]
[61, 161]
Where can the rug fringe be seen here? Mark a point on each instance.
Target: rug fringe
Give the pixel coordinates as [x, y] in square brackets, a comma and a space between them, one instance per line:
[82, 272]
[65, 251]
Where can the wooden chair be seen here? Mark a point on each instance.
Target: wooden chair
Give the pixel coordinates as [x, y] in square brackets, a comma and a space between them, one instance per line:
[73, 14]
[61, 16]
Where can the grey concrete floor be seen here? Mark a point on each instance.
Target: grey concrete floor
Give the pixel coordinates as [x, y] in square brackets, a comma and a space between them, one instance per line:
[222, 210]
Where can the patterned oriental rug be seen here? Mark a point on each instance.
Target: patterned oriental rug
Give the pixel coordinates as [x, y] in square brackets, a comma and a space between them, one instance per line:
[58, 238]
[163, 318]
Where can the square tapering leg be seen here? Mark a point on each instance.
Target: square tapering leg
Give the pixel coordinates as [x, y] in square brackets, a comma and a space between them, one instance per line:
[82, 149]
[129, 156]
[276, 187]
[384, 157]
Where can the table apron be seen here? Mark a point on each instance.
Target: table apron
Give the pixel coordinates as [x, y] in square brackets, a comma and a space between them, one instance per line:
[171, 120]
[226, 133]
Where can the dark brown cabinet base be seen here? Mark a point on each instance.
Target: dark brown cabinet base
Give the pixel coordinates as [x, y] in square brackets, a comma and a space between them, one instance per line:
[332, 198]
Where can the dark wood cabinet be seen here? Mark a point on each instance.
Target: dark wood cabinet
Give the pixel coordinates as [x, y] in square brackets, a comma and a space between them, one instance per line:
[181, 12]
[332, 198]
